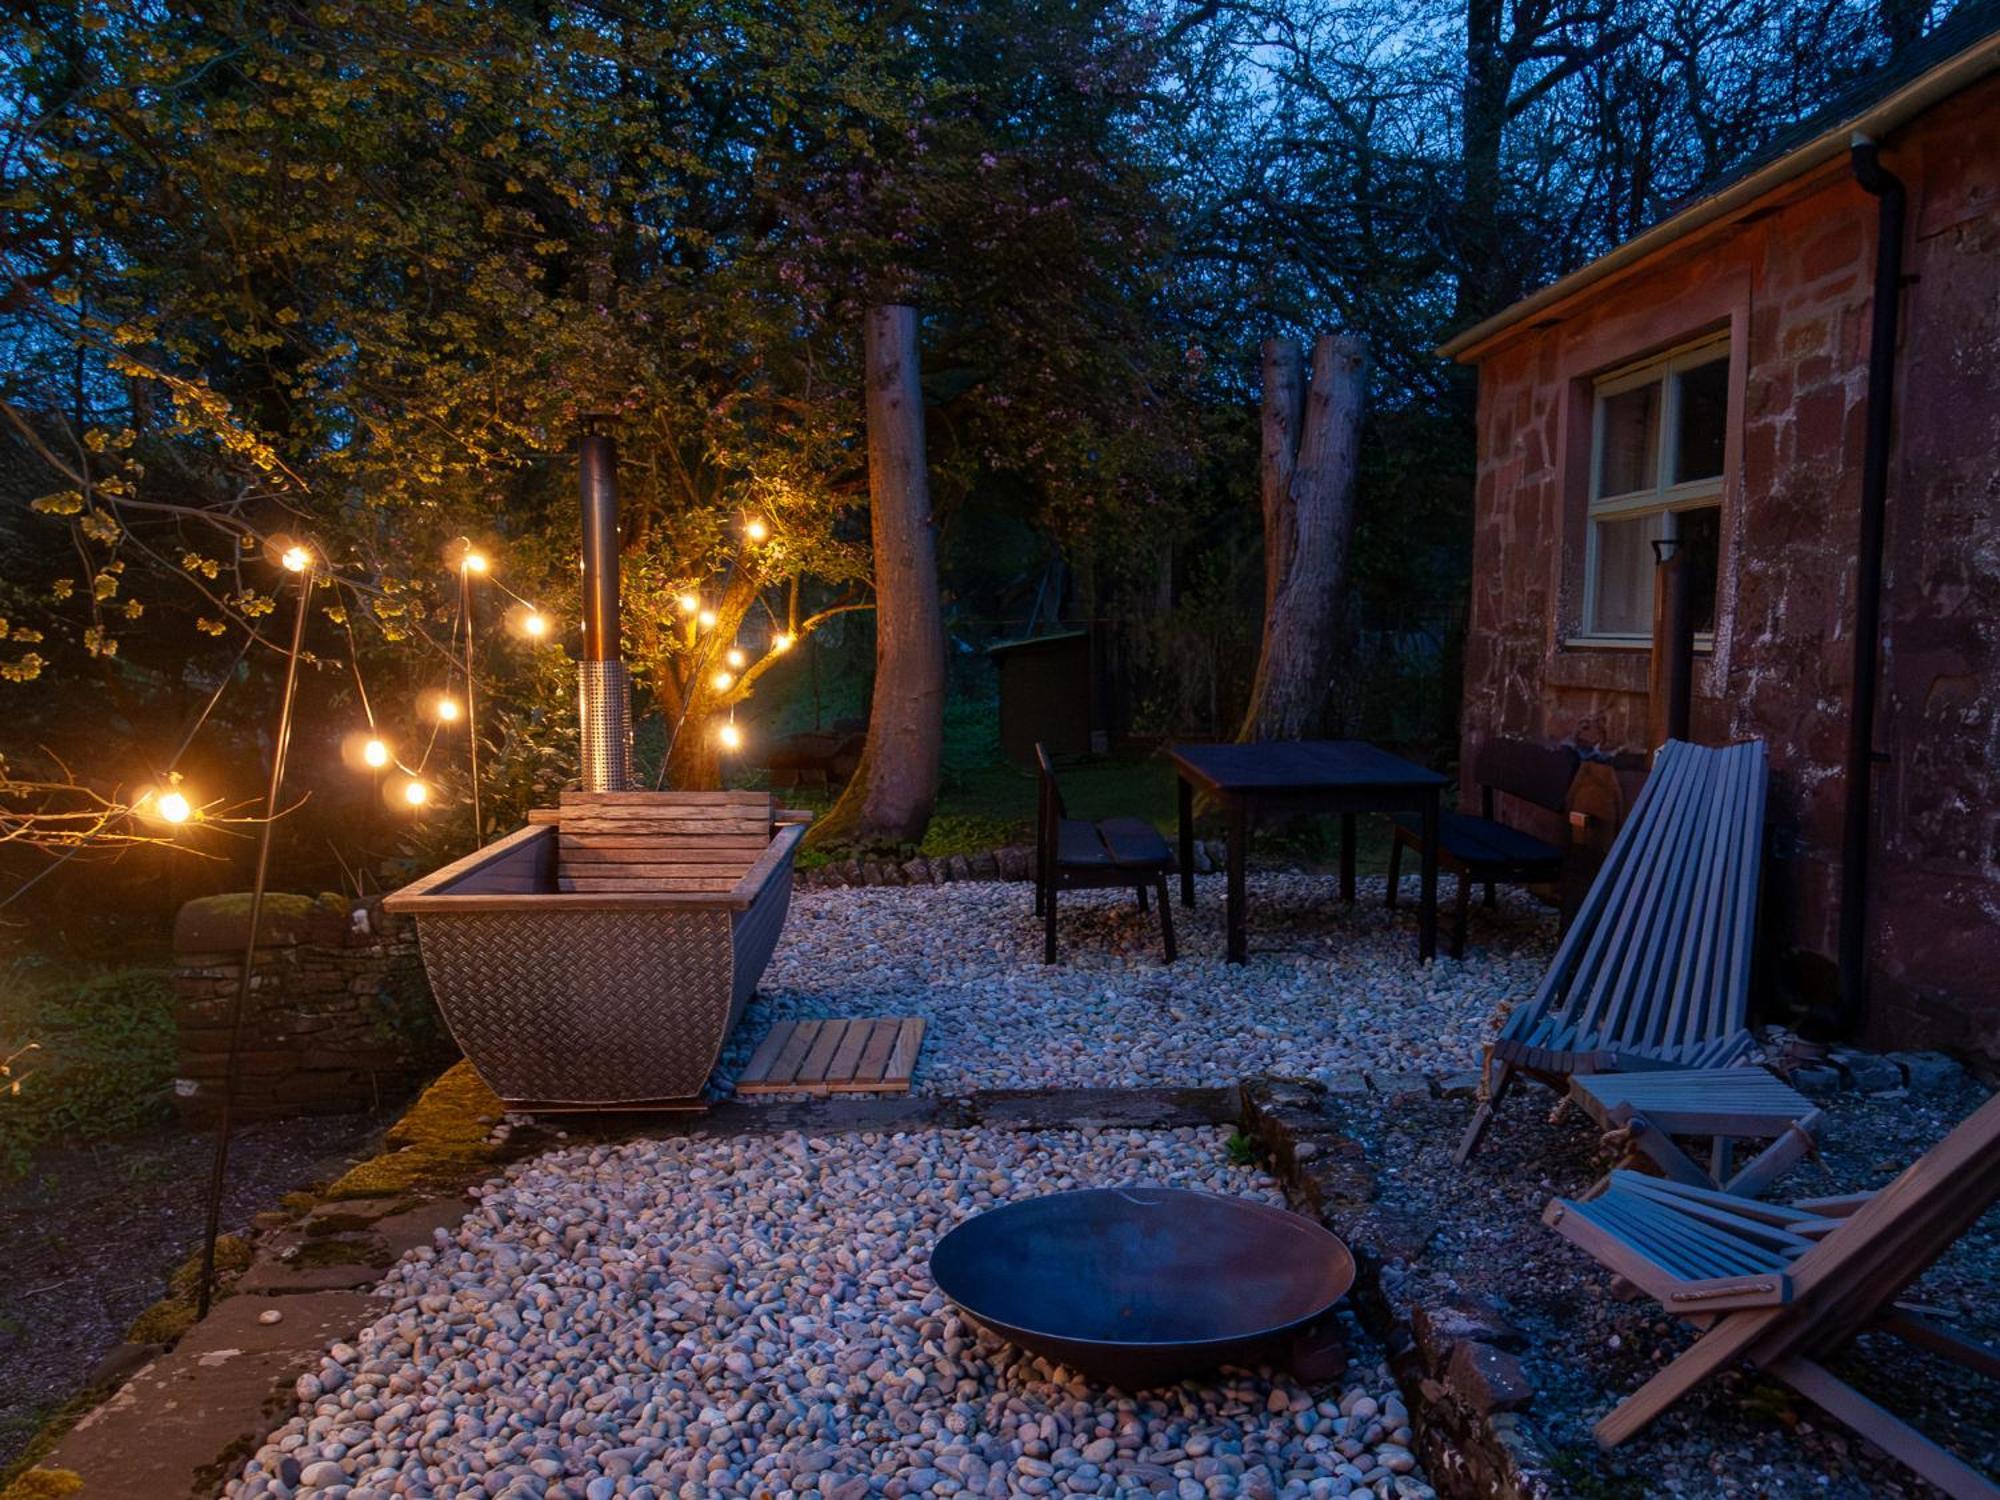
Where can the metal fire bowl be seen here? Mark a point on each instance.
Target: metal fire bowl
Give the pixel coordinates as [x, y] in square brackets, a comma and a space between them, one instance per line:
[1143, 1286]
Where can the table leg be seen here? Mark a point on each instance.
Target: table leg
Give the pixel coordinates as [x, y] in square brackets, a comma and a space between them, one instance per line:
[1427, 917]
[1347, 858]
[1187, 840]
[1239, 851]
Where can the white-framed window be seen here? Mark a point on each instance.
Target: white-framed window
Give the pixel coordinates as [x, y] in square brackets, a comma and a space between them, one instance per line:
[1658, 432]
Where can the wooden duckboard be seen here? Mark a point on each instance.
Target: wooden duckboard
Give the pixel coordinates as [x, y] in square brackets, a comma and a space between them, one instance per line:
[835, 1057]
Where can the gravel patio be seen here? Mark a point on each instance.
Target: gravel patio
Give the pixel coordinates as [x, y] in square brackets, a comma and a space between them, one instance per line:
[702, 1313]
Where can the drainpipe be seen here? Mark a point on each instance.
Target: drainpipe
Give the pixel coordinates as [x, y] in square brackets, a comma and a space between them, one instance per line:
[604, 693]
[1887, 189]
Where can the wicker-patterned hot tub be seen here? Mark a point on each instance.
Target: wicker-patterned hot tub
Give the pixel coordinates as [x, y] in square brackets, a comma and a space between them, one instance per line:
[599, 958]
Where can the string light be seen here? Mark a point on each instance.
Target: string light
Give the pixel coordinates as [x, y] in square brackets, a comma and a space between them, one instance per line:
[782, 641]
[730, 736]
[722, 682]
[535, 623]
[415, 793]
[296, 558]
[174, 807]
[755, 529]
[474, 561]
[447, 709]
[736, 658]
[375, 753]
[689, 604]
[706, 619]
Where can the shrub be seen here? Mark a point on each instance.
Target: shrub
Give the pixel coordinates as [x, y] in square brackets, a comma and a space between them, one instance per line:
[103, 1058]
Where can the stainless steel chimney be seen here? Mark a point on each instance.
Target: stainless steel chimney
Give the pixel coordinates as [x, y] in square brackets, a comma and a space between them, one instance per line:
[604, 691]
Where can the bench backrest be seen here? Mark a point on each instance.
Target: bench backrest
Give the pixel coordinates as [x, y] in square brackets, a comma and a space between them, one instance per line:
[1657, 961]
[660, 841]
[1540, 774]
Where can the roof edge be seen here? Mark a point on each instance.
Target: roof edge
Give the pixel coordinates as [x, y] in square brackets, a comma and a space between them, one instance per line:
[1951, 76]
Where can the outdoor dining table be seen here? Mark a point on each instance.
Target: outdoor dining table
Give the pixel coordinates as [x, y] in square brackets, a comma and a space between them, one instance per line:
[1280, 778]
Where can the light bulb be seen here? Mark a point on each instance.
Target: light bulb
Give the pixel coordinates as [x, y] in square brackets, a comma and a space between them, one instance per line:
[689, 604]
[755, 529]
[174, 808]
[416, 793]
[706, 619]
[474, 561]
[735, 657]
[731, 737]
[535, 623]
[296, 559]
[782, 642]
[447, 709]
[375, 753]
[721, 682]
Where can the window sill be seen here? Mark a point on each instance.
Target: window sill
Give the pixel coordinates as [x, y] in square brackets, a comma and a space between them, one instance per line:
[1704, 645]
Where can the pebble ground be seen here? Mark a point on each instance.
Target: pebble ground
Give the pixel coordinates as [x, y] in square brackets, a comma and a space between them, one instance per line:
[754, 1316]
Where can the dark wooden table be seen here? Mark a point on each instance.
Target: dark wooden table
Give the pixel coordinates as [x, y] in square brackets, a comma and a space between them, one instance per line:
[1305, 776]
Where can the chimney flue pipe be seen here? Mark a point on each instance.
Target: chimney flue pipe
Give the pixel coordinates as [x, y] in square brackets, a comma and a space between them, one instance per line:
[604, 693]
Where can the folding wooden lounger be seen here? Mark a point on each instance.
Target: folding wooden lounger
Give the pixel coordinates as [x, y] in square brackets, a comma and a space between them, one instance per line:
[1655, 970]
[1784, 1289]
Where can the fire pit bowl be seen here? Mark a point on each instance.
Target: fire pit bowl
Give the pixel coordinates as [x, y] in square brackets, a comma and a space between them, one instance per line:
[1141, 1286]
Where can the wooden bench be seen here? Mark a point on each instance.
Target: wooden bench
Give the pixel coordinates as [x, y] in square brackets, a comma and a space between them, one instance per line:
[1073, 854]
[1481, 848]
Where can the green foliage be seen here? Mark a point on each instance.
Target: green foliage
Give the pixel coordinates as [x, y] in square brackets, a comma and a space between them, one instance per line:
[103, 1059]
[1242, 1150]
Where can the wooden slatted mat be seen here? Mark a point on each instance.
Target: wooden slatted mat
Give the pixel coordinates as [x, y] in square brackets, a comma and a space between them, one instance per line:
[835, 1057]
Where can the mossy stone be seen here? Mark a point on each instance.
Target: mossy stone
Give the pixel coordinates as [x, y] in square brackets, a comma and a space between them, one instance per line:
[441, 1143]
[43, 1484]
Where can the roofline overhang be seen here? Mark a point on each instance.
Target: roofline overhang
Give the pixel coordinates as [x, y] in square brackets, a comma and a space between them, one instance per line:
[1955, 74]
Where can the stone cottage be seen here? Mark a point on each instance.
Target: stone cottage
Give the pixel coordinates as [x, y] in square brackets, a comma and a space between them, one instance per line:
[1709, 384]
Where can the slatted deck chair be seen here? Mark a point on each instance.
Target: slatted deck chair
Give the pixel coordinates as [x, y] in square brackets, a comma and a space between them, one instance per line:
[1647, 1116]
[1785, 1288]
[1654, 972]
[1072, 854]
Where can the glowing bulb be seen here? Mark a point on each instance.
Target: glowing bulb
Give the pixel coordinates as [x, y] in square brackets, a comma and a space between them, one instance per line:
[416, 794]
[731, 737]
[535, 623]
[375, 753]
[296, 559]
[447, 709]
[721, 682]
[755, 529]
[736, 658]
[782, 642]
[706, 619]
[689, 604]
[474, 561]
[174, 808]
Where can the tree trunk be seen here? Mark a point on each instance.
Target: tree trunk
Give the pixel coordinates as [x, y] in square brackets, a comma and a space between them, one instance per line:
[890, 798]
[1284, 400]
[1315, 524]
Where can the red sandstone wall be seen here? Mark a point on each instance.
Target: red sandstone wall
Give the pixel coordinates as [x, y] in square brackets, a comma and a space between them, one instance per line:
[1793, 288]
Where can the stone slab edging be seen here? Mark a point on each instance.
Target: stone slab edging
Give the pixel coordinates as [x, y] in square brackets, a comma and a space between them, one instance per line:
[1454, 1360]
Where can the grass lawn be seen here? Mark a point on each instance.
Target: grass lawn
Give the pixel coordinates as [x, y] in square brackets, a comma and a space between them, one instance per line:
[986, 800]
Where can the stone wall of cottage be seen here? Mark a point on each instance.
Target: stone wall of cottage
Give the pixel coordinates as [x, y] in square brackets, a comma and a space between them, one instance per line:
[1790, 278]
[339, 1017]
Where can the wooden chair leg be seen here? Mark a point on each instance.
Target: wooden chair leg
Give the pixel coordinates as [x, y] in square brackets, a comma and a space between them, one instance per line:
[1166, 917]
[1395, 871]
[1039, 897]
[1049, 926]
[1499, 1078]
[1142, 897]
[1885, 1430]
[1459, 917]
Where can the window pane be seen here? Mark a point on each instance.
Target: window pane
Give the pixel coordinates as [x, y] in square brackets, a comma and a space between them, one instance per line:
[1631, 456]
[1704, 411]
[1624, 601]
[1700, 535]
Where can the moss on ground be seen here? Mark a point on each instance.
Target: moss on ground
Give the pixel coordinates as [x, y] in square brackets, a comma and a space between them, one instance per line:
[341, 1252]
[440, 1143]
[43, 1484]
